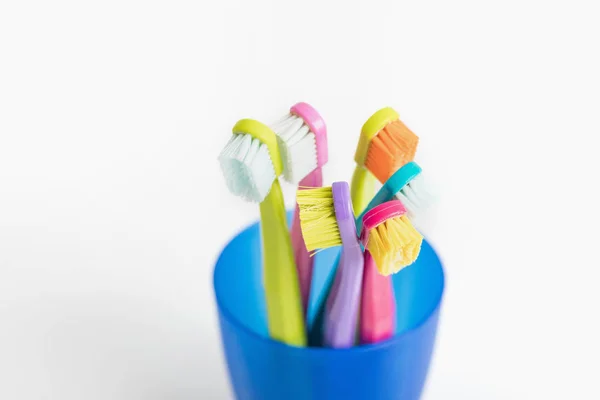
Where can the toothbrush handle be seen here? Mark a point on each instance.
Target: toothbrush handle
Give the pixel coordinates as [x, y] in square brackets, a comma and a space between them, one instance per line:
[316, 331]
[304, 262]
[362, 189]
[282, 291]
[378, 306]
[341, 317]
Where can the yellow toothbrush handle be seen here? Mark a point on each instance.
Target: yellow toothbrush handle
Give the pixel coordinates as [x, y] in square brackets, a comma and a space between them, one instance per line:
[362, 189]
[282, 288]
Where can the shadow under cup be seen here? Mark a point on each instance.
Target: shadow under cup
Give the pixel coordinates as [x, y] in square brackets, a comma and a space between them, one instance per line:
[261, 368]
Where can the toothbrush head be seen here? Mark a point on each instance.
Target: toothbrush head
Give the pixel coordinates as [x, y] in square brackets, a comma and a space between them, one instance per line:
[302, 139]
[326, 216]
[317, 218]
[250, 161]
[389, 236]
[385, 144]
[408, 185]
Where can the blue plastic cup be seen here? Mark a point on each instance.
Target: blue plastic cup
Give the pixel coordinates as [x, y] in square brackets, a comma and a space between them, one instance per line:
[263, 369]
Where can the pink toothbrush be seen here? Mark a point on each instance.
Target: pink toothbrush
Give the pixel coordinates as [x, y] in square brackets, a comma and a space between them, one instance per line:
[391, 243]
[302, 138]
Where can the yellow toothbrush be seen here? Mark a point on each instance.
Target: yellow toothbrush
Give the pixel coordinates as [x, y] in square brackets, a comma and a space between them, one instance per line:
[385, 145]
[252, 164]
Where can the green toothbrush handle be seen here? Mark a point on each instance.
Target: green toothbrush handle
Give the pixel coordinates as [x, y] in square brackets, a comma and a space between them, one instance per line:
[282, 288]
[362, 189]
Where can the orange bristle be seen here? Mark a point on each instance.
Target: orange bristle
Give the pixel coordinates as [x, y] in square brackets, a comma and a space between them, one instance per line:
[394, 146]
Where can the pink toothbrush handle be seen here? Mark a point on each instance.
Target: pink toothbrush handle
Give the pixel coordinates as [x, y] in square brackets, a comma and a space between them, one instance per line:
[304, 262]
[378, 306]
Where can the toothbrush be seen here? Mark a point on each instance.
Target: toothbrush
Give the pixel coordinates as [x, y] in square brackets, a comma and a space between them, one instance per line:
[406, 185]
[391, 243]
[327, 220]
[378, 303]
[390, 237]
[251, 164]
[302, 139]
[385, 145]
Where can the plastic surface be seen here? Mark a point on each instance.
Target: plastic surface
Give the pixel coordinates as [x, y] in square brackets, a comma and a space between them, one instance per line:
[362, 189]
[316, 123]
[304, 262]
[377, 306]
[341, 318]
[389, 189]
[342, 205]
[261, 368]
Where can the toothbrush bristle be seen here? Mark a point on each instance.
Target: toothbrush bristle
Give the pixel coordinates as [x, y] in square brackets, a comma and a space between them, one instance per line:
[317, 218]
[247, 167]
[394, 244]
[298, 148]
[394, 146]
[415, 197]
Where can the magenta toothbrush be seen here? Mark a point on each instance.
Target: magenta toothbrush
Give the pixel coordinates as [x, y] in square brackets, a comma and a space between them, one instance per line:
[391, 243]
[302, 139]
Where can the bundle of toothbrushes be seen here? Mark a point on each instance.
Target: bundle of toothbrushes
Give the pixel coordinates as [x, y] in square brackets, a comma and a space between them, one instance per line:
[375, 230]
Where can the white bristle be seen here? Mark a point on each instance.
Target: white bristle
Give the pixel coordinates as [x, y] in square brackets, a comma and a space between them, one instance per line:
[298, 148]
[415, 198]
[282, 122]
[247, 166]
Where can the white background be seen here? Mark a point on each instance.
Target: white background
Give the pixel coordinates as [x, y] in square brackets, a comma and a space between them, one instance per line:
[113, 209]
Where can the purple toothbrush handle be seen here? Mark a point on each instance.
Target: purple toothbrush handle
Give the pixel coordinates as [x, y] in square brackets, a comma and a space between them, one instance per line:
[343, 303]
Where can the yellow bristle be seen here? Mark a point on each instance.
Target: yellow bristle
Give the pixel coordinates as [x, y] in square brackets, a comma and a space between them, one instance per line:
[317, 218]
[393, 147]
[394, 245]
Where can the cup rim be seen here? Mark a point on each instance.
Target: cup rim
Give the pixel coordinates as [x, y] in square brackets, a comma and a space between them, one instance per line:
[225, 313]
